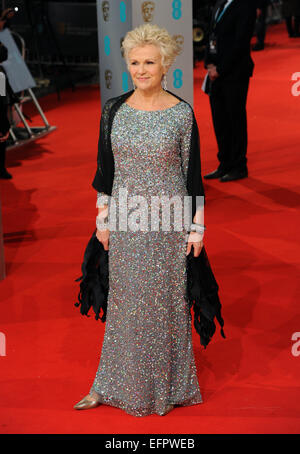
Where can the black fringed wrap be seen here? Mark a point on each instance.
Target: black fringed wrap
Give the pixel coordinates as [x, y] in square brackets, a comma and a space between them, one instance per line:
[94, 283]
[202, 288]
[202, 295]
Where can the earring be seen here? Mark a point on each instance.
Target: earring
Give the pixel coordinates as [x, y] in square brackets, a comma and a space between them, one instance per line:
[134, 87]
[164, 80]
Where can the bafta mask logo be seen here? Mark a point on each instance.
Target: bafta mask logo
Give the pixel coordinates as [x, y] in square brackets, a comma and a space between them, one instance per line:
[108, 78]
[180, 41]
[105, 11]
[148, 11]
[122, 50]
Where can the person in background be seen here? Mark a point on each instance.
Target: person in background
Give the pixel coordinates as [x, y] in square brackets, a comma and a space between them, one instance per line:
[4, 123]
[230, 67]
[262, 11]
[290, 11]
[4, 132]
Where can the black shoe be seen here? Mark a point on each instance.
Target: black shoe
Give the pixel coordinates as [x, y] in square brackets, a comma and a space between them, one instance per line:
[234, 175]
[258, 46]
[5, 175]
[215, 174]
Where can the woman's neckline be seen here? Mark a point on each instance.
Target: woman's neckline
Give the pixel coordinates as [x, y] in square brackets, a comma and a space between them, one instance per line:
[158, 110]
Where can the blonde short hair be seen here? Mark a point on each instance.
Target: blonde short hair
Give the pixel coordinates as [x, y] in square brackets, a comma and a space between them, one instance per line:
[151, 34]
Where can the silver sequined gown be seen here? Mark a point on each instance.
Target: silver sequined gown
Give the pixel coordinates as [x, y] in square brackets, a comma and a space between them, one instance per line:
[147, 359]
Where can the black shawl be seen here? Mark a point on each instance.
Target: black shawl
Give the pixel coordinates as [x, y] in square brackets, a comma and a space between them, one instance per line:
[202, 288]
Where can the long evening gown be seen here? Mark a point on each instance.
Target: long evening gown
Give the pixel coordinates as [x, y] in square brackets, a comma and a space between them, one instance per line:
[147, 359]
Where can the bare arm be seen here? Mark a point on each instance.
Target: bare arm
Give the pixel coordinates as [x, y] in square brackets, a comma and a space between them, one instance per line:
[102, 231]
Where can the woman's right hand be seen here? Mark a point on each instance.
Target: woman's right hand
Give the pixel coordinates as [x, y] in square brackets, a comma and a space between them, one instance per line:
[103, 237]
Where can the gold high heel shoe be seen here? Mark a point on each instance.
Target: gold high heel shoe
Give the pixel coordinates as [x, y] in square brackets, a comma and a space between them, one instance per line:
[86, 403]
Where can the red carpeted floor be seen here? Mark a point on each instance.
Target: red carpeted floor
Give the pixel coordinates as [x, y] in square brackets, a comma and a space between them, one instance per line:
[250, 381]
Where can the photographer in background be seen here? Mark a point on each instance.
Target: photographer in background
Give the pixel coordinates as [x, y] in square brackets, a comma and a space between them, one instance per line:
[4, 123]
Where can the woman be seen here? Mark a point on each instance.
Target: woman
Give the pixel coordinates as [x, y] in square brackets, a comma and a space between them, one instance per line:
[147, 362]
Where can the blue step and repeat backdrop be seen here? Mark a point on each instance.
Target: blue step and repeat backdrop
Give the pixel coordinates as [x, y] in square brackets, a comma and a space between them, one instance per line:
[116, 17]
[72, 29]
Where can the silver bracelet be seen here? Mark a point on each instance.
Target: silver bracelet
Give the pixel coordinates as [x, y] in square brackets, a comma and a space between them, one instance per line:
[199, 228]
[103, 197]
[197, 223]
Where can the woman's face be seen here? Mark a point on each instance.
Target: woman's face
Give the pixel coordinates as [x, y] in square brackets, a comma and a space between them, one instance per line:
[145, 67]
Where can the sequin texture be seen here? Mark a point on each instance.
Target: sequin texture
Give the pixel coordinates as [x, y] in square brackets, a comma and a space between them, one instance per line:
[147, 360]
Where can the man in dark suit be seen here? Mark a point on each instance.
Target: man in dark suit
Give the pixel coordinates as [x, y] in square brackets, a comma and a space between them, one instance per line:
[230, 67]
[290, 10]
[262, 12]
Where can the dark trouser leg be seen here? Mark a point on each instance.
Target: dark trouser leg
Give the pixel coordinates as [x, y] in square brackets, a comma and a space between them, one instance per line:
[289, 25]
[261, 27]
[221, 125]
[297, 25]
[235, 95]
[2, 156]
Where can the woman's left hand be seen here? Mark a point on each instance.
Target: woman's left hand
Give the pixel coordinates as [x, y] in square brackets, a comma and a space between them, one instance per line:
[195, 239]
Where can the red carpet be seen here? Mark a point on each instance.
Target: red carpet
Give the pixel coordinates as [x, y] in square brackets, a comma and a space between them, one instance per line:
[249, 381]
